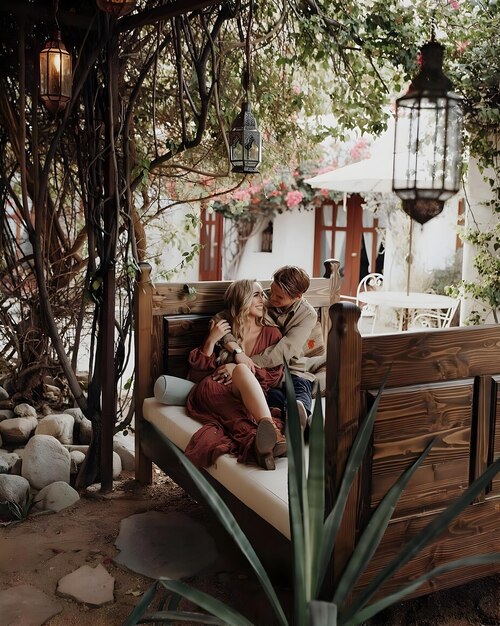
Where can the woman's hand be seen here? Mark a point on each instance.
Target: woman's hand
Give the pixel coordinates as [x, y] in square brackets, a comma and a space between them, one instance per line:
[219, 330]
[224, 373]
[216, 332]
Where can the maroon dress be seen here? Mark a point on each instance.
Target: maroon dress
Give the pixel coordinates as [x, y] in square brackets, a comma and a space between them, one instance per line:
[227, 425]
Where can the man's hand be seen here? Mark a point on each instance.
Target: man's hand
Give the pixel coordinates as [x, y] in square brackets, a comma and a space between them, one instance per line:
[246, 360]
[223, 374]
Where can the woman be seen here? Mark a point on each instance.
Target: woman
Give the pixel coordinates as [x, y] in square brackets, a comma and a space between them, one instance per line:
[230, 400]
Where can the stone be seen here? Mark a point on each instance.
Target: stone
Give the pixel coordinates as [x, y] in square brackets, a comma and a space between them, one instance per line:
[55, 497]
[77, 458]
[14, 489]
[3, 394]
[27, 606]
[164, 544]
[24, 410]
[124, 446]
[7, 461]
[59, 425]
[45, 460]
[85, 431]
[17, 429]
[93, 586]
[77, 413]
[6, 414]
[117, 465]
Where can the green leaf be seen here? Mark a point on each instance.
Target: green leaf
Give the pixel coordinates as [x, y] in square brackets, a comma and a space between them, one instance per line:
[334, 519]
[205, 601]
[316, 488]
[383, 603]
[374, 532]
[172, 617]
[430, 532]
[322, 613]
[142, 606]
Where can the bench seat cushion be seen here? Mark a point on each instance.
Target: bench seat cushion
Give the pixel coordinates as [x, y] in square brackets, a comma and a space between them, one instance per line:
[265, 492]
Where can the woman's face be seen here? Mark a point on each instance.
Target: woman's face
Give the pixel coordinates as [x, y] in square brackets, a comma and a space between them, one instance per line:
[257, 305]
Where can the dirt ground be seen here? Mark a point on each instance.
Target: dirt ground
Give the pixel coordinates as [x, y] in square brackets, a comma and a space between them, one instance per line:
[44, 548]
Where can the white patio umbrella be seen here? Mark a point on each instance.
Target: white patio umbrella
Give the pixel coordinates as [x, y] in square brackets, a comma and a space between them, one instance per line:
[373, 175]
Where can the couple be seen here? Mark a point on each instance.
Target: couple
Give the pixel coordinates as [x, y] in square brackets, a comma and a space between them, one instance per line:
[240, 365]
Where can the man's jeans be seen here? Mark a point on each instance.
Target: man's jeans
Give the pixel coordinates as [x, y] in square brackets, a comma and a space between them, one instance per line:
[276, 397]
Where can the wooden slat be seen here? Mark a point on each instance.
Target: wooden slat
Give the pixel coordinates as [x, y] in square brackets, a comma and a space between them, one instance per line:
[475, 531]
[183, 333]
[207, 297]
[423, 357]
[407, 419]
[494, 449]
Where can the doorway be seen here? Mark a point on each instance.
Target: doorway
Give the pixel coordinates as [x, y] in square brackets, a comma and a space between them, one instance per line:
[350, 234]
[211, 233]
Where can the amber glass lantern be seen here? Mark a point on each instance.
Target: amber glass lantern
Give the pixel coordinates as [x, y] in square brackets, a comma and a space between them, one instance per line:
[428, 139]
[245, 142]
[116, 8]
[55, 74]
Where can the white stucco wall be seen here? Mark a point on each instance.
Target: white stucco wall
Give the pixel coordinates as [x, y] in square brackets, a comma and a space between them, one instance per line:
[293, 244]
[433, 247]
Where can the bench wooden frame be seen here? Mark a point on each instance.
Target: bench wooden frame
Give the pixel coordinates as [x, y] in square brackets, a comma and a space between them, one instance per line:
[443, 383]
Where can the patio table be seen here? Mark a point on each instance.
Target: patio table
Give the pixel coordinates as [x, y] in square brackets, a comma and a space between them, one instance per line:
[406, 302]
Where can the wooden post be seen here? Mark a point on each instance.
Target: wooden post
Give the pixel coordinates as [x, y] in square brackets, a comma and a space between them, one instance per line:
[343, 411]
[332, 271]
[143, 347]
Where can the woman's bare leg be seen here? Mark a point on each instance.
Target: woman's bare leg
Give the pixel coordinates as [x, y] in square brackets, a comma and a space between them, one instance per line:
[246, 387]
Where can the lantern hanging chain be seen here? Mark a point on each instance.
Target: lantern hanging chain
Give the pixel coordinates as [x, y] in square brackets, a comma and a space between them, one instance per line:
[55, 5]
[248, 73]
[433, 26]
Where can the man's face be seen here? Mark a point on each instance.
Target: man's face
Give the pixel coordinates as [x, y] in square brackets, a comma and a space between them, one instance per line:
[279, 298]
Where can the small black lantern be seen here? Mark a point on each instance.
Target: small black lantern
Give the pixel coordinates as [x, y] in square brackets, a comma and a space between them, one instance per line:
[428, 139]
[55, 74]
[245, 143]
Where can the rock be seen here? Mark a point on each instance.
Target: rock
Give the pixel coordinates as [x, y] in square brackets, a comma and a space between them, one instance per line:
[14, 489]
[59, 425]
[93, 586]
[77, 458]
[3, 394]
[17, 429]
[77, 413]
[124, 446]
[6, 414]
[7, 461]
[85, 431]
[55, 497]
[26, 605]
[24, 410]
[1, 442]
[117, 465]
[45, 460]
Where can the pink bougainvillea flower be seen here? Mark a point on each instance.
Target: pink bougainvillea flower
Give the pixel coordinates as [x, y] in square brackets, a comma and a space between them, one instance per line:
[462, 45]
[293, 199]
[241, 194]
[454, 4]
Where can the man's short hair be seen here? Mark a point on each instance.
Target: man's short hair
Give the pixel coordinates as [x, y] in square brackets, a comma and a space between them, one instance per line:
[292, 279]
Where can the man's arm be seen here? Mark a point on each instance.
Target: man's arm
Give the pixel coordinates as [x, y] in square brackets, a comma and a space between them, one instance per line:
[290, 345]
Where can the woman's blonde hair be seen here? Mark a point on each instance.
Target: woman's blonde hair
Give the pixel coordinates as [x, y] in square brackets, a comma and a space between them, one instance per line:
[238, 300]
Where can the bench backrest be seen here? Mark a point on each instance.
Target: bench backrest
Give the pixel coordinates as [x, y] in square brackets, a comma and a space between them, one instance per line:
[442, 383]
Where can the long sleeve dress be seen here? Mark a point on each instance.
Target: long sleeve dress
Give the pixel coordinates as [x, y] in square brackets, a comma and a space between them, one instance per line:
[227, 425]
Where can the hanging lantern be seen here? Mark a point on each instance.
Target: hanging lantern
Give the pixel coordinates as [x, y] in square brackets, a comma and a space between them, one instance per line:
[116, 8]
[428, 139]
[245, 142]
[55, 74]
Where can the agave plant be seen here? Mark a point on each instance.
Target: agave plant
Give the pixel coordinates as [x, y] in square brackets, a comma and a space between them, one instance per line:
[12, 512]
[313, 538]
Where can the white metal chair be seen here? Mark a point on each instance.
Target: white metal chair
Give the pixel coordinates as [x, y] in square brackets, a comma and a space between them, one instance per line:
[436, 318]
[371, 282]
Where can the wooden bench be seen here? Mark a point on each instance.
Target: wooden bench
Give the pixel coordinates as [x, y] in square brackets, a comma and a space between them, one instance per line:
[442, 382]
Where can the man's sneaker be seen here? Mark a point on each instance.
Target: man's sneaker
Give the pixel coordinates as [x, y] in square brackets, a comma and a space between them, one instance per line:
[302, 414]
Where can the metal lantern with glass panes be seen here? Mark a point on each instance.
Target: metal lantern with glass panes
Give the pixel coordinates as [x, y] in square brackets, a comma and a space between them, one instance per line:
[116, 8]
[428, 139]
[55, 74]
[245, 142]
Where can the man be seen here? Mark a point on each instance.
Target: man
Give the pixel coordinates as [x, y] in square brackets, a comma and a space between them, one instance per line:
[296, 318]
